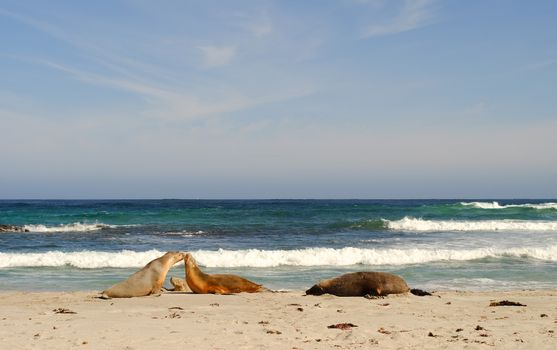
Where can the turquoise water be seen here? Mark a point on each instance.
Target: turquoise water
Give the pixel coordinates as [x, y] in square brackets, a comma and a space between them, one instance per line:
[286, 244]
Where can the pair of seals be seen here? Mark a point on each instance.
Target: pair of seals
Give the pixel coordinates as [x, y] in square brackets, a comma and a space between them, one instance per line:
[202, 283]
[147, 281]
[363, 283]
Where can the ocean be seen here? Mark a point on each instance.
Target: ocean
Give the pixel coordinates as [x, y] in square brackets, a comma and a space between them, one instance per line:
[283, 244]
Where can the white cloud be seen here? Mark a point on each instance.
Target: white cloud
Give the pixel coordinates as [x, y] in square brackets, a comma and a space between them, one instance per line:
[214, 56]
[413, 14]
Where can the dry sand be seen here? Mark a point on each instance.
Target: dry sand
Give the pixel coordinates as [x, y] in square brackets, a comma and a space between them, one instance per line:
[290, 320]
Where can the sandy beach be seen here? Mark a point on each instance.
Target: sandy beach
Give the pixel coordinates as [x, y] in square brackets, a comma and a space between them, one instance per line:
[61, 320]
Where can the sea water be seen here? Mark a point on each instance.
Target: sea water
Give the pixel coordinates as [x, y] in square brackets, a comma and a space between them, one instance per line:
[283, 244]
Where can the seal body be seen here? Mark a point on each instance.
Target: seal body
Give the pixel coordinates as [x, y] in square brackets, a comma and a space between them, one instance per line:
[360, 284]
[202, 283]
[147, 281]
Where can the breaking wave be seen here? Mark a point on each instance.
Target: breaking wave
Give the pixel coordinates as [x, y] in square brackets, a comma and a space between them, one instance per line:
[184, 233]
[74, 227]
[272, 258]
[84, 259]
[496, 205]
[421, 225]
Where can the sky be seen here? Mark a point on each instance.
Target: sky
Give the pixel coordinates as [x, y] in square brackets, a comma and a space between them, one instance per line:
[278, 99]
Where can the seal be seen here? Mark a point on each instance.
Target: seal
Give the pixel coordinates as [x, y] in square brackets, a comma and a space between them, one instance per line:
[362, 283]
[202, 283]
[147, 281]
[180, 285]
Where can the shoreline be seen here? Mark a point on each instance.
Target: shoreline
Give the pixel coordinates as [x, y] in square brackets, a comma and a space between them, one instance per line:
[285, 320]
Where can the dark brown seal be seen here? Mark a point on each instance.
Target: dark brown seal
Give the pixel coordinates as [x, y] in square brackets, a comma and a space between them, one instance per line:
[202, 283]
[360, 284]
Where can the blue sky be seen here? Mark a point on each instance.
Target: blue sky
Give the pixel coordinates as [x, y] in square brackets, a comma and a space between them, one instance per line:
[278, 99]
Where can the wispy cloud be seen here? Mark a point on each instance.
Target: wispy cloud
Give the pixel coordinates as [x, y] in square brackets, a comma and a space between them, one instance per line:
[261, 29]
[260, 26]
[147, 90]
[164, 98]
[107, 58]
[42, 26]
[171, 103]
[214, 56]
[541, 64]
[413, 14]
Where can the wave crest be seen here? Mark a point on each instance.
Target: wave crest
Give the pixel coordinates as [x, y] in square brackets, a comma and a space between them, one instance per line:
[74, 227]
[84, 259]
[496, 205]
[272, 258]
[421, 225]
[184, 233]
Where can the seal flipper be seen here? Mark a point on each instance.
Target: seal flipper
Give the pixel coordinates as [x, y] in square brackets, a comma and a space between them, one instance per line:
[419, 292]
[156, 292]
[104, 296]
[222, 291]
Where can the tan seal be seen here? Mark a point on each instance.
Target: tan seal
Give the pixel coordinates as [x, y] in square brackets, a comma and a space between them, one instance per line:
[360, 284]
[147, 281]
[202, 283]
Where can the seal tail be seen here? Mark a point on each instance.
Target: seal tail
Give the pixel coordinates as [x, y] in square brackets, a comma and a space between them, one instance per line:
[419, 292]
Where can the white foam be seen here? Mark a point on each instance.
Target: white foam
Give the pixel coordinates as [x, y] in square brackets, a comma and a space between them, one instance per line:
[496, 205]
[185, 233]
[354, 256]
[74, 227]
[84, 259]
[271, 258]
[421, 225]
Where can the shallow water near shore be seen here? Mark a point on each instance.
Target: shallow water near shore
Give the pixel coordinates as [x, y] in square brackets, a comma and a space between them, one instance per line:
[284, 244]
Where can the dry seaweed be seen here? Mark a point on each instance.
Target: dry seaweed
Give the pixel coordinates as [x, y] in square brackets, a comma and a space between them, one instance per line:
[505, 303]
[343, 326]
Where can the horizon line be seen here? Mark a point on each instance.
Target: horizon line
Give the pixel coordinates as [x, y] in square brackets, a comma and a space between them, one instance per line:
[278, 199]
